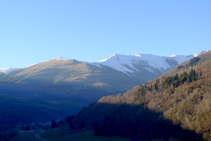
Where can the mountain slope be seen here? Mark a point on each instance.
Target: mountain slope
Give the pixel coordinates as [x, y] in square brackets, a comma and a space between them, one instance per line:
[173, 106]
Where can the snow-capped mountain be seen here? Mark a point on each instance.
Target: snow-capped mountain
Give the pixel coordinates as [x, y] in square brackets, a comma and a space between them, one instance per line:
[129, 63]
[63, 78]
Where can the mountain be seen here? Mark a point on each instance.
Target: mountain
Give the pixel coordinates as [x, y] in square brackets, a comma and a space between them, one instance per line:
[133, 64]
[65, 81]
[128, 63]
[71, 79]
[176, 105]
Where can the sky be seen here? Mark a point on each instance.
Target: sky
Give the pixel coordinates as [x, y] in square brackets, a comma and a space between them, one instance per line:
[92, 30]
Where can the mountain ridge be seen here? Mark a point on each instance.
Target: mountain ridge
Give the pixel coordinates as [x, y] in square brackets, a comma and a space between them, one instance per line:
[135, 58]
[71, 78]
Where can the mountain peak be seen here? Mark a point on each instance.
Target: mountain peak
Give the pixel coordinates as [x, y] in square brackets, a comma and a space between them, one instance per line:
[104, 60]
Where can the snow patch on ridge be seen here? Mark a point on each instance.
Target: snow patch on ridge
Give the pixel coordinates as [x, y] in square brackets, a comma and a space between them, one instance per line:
[118, 62]
[125, 63]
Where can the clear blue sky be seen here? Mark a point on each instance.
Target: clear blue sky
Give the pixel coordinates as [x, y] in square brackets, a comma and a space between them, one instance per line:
[34, 31]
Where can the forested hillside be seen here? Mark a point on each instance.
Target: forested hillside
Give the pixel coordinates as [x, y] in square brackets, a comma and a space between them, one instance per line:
[176, 105]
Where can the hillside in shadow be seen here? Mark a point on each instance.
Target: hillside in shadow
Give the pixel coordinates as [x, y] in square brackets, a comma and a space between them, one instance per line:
[132, 121]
